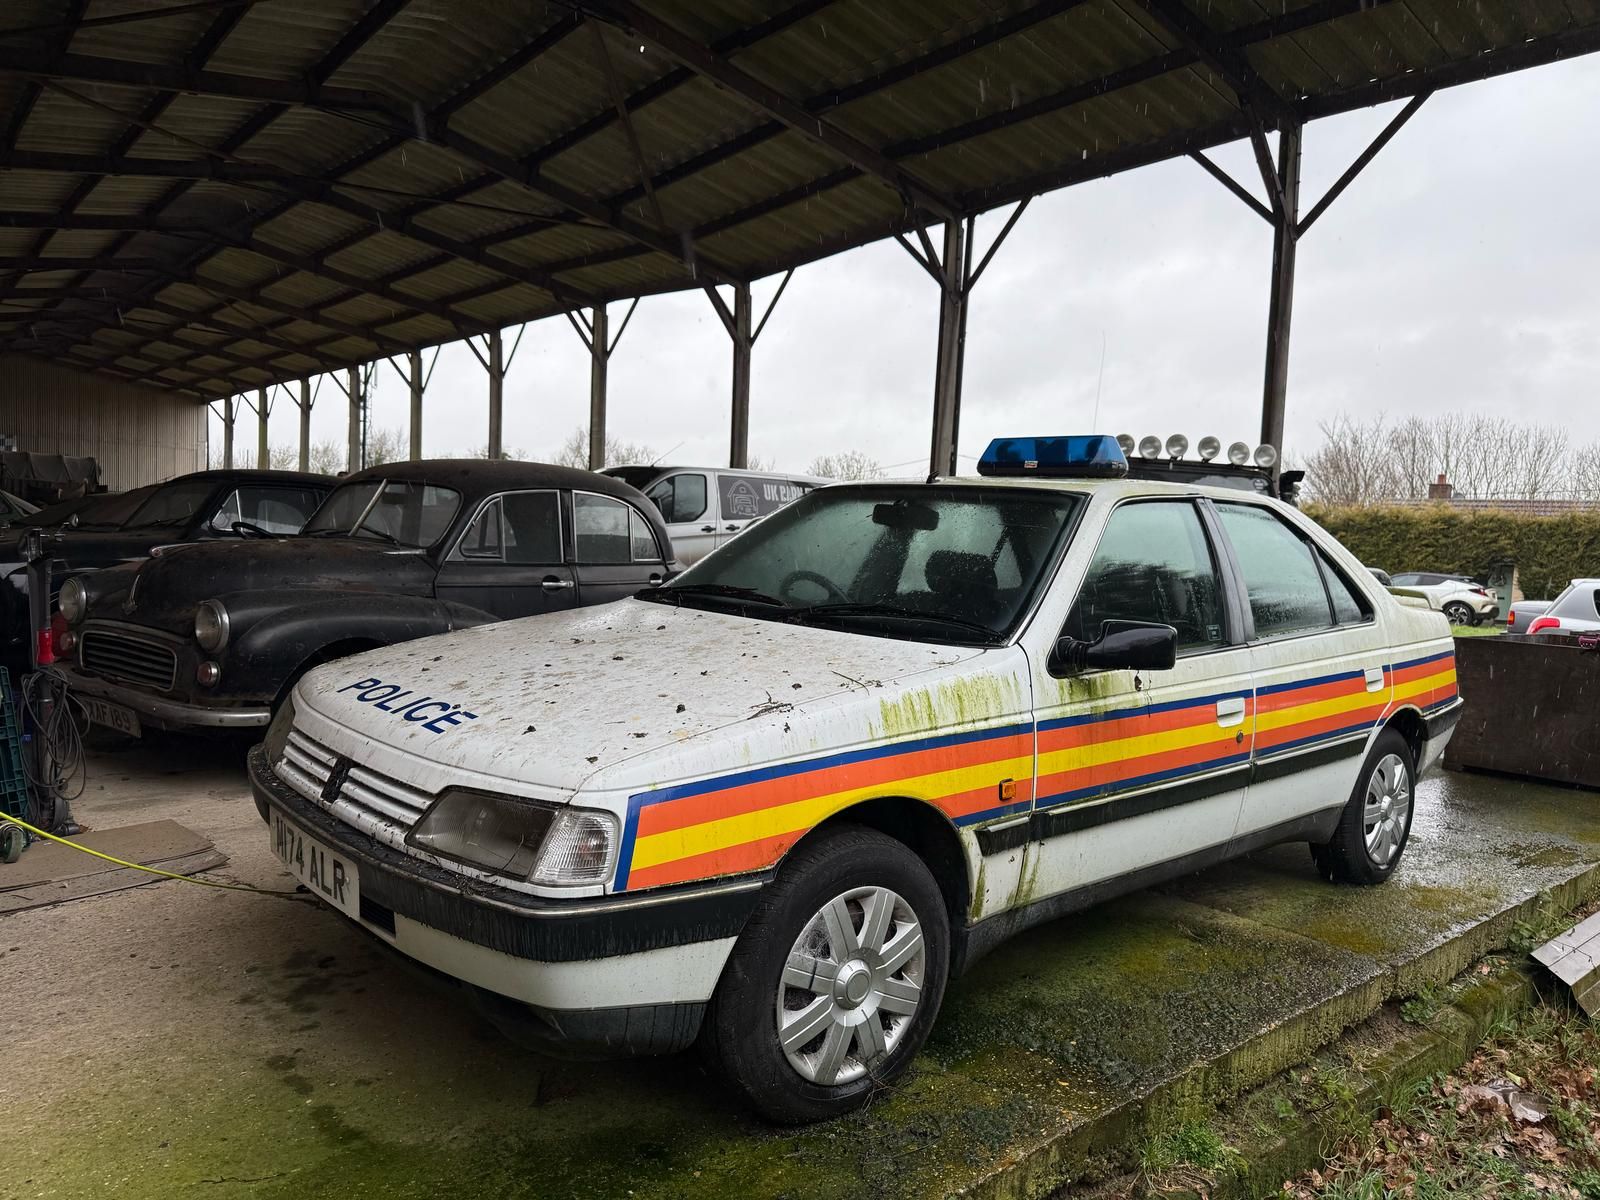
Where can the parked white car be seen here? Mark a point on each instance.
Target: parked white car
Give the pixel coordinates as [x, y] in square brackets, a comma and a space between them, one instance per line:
[776, 803]
[1576, 610]
[704, 507]
[1462, 601]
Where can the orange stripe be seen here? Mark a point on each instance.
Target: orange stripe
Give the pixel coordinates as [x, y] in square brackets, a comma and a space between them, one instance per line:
[964, 804]
[1278, 701]
[1097, 774]
[1328, 724]
[730, 860]
[1423, 670]
[1096, 732]
[667, 815]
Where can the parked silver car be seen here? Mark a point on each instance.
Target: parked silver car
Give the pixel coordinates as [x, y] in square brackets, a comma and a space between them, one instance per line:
[1576, 610]
[707, 506]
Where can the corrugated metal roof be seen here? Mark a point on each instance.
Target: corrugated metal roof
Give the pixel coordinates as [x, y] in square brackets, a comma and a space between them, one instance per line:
[303, 184]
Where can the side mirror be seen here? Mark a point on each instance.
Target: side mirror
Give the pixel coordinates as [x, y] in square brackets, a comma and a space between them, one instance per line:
[1121, 646]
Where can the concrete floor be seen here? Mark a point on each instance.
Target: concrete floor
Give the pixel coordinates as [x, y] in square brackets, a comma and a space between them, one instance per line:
[174, 1041]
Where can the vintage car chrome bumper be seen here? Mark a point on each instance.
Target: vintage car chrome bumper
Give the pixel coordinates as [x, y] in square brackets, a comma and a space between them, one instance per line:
[163, 713]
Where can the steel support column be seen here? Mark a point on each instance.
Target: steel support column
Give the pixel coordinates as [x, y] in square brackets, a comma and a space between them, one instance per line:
[743, 343]
[263, 449]
[1280, 310]
[414, 382]
[227, 432]
[951, 349]
[599, 356]
[305, 424]
[497, 379]
[352, 386]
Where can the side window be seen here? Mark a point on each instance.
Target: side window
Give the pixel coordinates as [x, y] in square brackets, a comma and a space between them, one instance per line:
[1349, 607]
[601, 526]
[1153, 564]
[532, 527]
[1280, 572]
[680, 498]
[642, 537]
[482, 539]
[227, 513]
[1579, 603]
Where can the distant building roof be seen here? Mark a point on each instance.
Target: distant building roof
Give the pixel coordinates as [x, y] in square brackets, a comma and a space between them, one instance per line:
[1443, 492]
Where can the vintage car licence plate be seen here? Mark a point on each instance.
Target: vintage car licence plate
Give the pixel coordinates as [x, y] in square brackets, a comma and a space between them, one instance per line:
[324, 871]
[112, 716]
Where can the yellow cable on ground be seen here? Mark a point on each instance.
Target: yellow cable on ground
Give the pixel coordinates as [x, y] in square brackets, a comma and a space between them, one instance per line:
[133, 866]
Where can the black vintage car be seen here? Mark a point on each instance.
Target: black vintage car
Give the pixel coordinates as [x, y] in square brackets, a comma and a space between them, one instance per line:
[202, 506]
[212, 636]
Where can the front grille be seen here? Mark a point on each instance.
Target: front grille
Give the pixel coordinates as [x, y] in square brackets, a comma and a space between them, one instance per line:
[365, 798]
[129, 656]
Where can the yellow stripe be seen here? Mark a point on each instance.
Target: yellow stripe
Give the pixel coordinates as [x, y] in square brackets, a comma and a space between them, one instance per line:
[799, 815]
[1139, 745]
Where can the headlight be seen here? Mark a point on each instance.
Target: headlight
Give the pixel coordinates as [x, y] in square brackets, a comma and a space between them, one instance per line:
[519, 839]
[74, 600]
[278, 732]
[211, 625]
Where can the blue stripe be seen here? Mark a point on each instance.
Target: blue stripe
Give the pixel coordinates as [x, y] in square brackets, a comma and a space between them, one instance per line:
[1147, 710]
[1127, 785]
[1277, 688]
[1417, 662]
[1272, 752]
[990, 814]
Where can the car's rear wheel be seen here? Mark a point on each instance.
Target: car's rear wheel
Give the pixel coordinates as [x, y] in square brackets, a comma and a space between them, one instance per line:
[1458, 612]
[836, 979]
[1376, 823]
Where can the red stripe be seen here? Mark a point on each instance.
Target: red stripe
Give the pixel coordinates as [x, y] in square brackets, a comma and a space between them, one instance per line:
[1267, 738]
[1093, 733]
[1278, 701]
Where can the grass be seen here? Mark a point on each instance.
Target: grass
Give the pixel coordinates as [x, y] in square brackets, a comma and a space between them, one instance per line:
[1195, 1144]
[1452, 1138]
[1493, 629]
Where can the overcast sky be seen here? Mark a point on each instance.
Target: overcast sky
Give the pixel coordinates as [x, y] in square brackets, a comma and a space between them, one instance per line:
[1461, 270]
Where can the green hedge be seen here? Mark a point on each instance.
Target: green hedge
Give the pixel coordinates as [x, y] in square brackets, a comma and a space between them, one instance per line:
[1548, 552]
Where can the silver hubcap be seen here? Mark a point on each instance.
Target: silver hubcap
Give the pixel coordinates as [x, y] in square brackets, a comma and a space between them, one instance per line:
[851, 986]
[1388, 809]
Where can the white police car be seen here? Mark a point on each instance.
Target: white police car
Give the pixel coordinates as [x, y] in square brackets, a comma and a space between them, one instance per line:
[775, 804]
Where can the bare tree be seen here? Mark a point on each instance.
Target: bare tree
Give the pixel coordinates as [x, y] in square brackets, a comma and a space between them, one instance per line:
[760, 462]
[847, 464]
[327, 457]
[574, 452]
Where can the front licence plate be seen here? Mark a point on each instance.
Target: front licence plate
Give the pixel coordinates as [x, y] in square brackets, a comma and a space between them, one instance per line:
[325, 872]
[112, 716]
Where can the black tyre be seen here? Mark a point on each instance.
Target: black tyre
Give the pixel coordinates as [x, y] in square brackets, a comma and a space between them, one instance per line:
[1376, 823]
[1458, 612]
[836, 980]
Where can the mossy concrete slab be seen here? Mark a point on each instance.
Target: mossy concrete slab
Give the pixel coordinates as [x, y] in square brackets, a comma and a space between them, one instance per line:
[174, 1041]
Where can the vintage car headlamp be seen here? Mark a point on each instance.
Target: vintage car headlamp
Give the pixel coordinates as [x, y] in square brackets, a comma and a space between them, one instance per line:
[520, 839]
[211, 625]
[277, 739]
[74, 600]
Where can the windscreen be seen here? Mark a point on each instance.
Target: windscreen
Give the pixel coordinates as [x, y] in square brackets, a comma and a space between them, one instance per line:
[936, 563]
[397, 511]
[173, 505]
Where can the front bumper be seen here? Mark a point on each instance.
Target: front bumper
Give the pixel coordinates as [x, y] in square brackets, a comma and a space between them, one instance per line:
[164, 713]
[602, 975]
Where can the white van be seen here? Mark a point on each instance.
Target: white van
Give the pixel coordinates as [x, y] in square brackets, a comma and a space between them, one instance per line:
[706, 506]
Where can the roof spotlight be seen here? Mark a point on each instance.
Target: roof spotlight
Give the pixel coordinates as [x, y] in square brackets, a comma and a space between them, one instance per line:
[1150, 447]
[1265, 456]
[1125, 440]
[1176, 445]
[1209, 448]
[1239, 454]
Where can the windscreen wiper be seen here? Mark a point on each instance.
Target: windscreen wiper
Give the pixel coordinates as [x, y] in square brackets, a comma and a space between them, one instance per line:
[897, 613]
[674, 593]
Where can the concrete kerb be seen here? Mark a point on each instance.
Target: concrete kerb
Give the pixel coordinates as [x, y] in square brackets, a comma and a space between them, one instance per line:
[1065, 1157]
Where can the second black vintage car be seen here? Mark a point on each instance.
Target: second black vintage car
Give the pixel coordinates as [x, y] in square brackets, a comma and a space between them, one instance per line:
[212, 636]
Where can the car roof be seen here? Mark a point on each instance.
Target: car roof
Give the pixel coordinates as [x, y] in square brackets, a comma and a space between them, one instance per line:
[773, 474]
[1116, 489]
[252, 475]
[478, 477]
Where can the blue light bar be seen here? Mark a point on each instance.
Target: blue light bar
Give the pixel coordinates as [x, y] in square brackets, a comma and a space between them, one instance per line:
[1080, 456]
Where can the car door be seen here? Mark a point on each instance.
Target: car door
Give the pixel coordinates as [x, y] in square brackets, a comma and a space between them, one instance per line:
[688, 506]
[1322, 668]
[615, 549]
[1140, 769]
[510, 560]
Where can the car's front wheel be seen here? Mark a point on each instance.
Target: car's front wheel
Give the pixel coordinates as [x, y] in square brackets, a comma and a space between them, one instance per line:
[836, 979]
[1376, 823]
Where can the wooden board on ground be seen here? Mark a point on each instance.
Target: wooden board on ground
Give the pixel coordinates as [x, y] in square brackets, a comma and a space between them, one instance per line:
[49, 873]
[1574, 958]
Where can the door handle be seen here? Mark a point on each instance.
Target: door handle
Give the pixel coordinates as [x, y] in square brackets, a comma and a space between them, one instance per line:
[731, 528]
[654, 581]
[1374, 678]
[708, 529]
[1230, 711]
[551, 584]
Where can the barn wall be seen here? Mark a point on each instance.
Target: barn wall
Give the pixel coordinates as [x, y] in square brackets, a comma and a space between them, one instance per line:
[138, 434]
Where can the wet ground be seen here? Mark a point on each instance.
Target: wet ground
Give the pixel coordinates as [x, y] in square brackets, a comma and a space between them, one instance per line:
[175, 1041]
